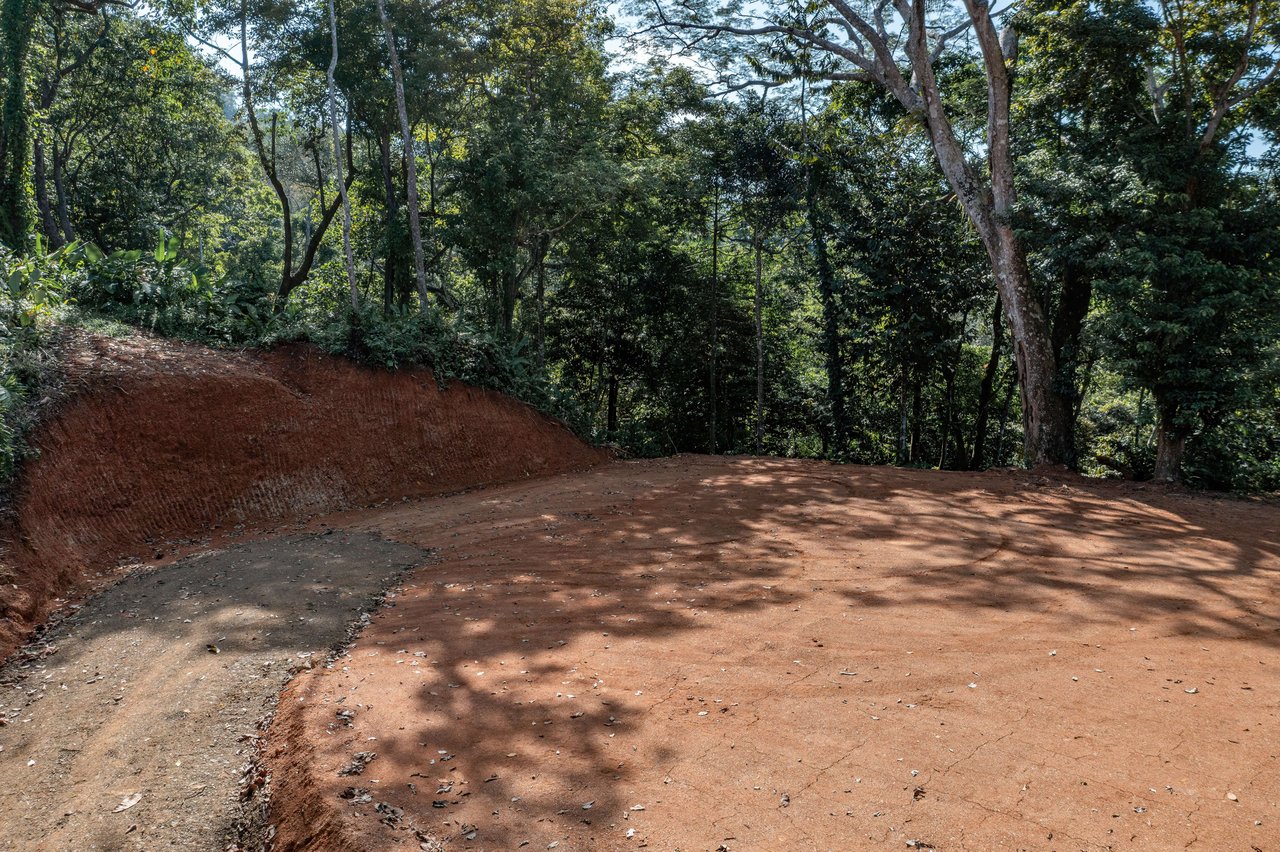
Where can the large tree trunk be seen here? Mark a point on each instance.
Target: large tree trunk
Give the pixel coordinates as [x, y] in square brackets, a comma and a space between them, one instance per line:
[1045, 415]
[988, 204]
[989, 208]
[337, 160]
[1171, 446]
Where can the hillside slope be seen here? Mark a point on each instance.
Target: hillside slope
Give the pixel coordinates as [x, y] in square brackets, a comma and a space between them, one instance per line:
[160, 445]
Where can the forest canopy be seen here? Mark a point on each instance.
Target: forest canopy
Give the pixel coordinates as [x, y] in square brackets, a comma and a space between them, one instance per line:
[954, 236]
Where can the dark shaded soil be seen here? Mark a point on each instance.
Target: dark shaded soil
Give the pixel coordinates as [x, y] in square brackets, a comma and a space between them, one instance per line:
[152, 693]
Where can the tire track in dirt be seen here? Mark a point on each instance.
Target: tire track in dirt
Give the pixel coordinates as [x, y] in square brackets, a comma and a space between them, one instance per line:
[151, 695]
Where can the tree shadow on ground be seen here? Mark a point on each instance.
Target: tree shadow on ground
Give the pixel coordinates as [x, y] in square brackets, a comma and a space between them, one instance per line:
[543, 587]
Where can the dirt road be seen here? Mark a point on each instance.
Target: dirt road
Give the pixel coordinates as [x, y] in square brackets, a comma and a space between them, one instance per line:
[129, 726]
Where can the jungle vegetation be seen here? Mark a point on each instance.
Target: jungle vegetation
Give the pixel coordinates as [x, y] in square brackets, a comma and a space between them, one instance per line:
[952, 235]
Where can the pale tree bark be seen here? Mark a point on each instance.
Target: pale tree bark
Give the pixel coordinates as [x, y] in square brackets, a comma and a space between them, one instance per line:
[869, 43]
[411, 160]
[337, 161]
[290, 276]
[990, 207]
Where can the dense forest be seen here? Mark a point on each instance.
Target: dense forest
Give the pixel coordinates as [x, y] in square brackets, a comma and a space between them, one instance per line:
[951, 236]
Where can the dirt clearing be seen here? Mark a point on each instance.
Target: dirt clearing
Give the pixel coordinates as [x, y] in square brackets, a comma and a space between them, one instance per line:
[129, 725]
[710, 654]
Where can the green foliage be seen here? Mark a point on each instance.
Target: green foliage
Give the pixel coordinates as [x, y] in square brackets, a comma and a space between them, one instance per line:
[35, 290]
[158, 292]
[598, 224]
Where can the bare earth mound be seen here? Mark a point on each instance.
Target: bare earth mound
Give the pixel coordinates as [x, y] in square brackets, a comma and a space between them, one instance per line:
[761, 655]
[162, 445]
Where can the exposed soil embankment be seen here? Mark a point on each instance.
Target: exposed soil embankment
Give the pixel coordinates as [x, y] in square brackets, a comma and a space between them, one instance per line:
[161, 444]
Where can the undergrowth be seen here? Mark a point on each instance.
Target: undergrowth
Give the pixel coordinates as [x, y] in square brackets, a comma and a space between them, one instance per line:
[123, 293]
[34, 295]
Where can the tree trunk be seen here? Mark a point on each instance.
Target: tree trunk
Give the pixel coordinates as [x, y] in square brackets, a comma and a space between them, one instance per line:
[1045, 416]
[44, 206]
[392, 204]
[295, 277]
[290, 277]
[989, 208]
[337, 161]
[830, 323]
[987, 390]
[715, 297]
[17, 22]
[406, 133]
[611, 422]
[267, 162]
[759, 309]
[1171, 445]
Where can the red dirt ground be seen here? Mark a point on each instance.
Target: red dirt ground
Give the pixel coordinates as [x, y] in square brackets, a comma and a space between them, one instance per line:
[694, 653]
[160, 445]
[703, 653]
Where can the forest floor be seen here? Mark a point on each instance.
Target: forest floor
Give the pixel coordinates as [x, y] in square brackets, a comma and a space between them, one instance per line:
[691, 653]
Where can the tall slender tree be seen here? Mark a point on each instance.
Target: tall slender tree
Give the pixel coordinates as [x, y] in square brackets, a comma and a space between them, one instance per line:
[337, 161]
[410, 157]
